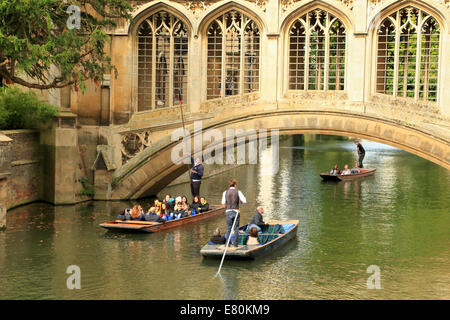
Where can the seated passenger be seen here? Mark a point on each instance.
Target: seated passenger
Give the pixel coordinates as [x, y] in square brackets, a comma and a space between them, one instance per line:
[335, 170]
[169, 201]
[158, 207]
[136, 213]
[217, 238]
[165, 212]
[346, 171]
[253, 237]
[257, 219]
[185, 203]
[153, 216]
[124, 215]
[195, 205]
[128, 215]
[204, 205]
[356, 168]
[180, 212]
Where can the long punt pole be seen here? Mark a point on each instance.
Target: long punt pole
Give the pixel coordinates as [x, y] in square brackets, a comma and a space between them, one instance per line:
[228, 242]
[184, 131]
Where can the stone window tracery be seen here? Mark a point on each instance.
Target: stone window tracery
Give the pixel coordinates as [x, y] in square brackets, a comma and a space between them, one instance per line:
[317, 42]
[408, 55]
[162, 61]
[233, 53]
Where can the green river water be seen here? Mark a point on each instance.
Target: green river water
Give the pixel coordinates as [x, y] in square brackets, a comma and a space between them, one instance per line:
[398, 220]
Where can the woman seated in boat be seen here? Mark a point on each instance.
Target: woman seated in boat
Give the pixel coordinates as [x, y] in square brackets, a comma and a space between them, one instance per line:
[158, 207]
[169, 201]
[180, 212]
[346, 171]
[335, 170]
[166, 212]
[137, 213]
[355, 169]
[185, 203]
[194, 207]
[253, 237]
[217, 238]
[204, 205]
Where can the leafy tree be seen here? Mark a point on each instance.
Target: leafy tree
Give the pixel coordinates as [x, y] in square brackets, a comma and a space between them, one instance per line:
[23, 110]
[36, 39]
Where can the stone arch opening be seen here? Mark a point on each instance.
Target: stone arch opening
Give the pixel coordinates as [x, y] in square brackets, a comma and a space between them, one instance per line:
[150, 171]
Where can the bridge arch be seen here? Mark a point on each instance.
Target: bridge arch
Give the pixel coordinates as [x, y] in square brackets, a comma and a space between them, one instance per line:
[151, 170]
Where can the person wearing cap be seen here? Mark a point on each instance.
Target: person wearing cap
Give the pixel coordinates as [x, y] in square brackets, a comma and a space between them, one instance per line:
[232, 200]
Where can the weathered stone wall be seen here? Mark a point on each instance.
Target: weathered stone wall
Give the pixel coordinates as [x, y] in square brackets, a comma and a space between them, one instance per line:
[20, 166]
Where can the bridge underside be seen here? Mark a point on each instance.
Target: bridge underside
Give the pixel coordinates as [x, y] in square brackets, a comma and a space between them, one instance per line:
[152, 169]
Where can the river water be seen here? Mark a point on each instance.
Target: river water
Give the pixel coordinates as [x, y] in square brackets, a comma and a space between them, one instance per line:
[398, 220]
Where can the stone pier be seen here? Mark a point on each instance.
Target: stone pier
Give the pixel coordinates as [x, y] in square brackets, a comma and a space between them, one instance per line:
[2, 218]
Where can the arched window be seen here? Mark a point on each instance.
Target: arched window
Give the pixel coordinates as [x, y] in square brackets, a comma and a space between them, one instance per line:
[317, 52]
[408, 55]
[233, 55]
[162, 61]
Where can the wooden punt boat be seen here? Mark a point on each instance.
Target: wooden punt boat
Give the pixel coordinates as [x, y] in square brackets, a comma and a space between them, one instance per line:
[151, 227]
[340, 177]
[243, 251]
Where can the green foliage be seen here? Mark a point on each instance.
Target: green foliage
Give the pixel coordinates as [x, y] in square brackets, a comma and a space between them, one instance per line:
[88, 190]
[114, 182]
[35, 37]
[23, 110]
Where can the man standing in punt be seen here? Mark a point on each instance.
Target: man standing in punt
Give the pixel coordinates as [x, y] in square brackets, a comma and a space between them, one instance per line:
[361, 153]
[231, 200]
[196, 176]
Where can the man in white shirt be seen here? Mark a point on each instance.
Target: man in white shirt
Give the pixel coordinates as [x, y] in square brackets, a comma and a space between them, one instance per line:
[231, 200]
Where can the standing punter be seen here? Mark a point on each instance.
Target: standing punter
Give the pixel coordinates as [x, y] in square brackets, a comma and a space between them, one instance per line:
[361, 153]
[196, 176]
[232, 199]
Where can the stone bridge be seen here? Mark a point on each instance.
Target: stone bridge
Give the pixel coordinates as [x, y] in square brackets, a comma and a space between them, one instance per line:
[373, 69]
[151, 169]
